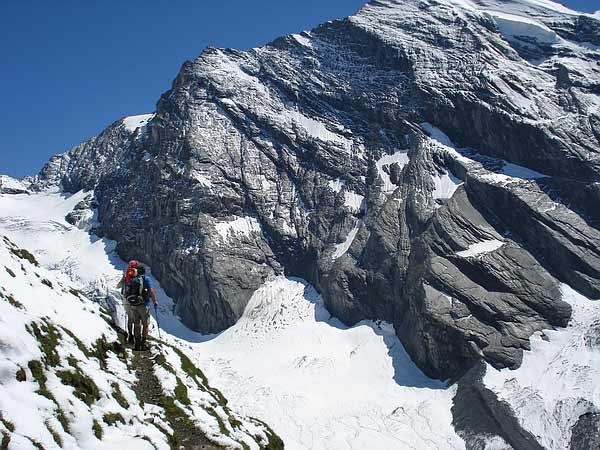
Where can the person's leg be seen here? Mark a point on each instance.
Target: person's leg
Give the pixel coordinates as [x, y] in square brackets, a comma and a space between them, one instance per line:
[130, 338]
[146, 325]
[137, 326]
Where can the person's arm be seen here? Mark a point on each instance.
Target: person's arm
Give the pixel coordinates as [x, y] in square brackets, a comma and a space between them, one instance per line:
[153, 296]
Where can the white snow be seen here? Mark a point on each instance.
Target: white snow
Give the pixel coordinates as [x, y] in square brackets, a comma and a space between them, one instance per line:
[132, 123]
[241, 225]
[558, 380]
[553, 6]
[445, 185]
[441, 139]
[336, 185]
[353, 201]
[513, 26]
[302, 40]
[33, 414]
[341, 249]
[514, 6]
[37, 222]
[401, 158]
[481, 248]
[322, 385]
[318, 130]
[202, 179]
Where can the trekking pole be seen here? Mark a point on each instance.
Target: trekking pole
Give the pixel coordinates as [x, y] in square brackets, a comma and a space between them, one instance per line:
[157, 324]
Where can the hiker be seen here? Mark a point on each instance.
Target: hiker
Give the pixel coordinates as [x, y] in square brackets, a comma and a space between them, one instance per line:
[122, 285]
[139, 293]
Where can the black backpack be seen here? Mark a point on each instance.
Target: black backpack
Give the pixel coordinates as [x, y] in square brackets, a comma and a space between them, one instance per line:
[137, 292]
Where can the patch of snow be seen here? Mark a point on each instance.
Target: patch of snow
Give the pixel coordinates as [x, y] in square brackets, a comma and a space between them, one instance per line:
[302, 40]
[496, 443]
[202, 179]
[132, 123]
[553, 6]
[37, 223]
[515, 171]
[445, 185]
[353, 201]
[319, 131]
[558, 379]
[341, 249]
[336, 185]
[401, 158]
[481, 248]
[239, 226]
[509, 173]
[512, 26]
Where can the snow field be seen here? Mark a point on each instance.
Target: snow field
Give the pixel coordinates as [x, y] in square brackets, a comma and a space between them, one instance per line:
[322, 385]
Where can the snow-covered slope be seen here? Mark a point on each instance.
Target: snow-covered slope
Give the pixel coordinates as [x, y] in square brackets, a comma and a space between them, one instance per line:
[66, 378]
[323, 385]
[318, 383]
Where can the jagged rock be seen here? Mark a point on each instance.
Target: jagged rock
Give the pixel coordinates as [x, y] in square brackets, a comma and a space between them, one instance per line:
[9, 185]
[322, 155]
[84, 214]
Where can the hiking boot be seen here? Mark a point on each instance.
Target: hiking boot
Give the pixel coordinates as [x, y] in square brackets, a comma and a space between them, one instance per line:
[130, 339]
[138, 346]
[143, 345]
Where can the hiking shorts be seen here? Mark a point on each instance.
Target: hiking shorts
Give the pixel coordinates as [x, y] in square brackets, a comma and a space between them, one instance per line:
[139, 312]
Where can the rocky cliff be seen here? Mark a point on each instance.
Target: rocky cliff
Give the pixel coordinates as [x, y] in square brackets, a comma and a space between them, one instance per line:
[432, 163]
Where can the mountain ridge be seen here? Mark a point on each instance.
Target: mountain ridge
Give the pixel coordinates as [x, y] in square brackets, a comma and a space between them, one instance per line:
[291, 155]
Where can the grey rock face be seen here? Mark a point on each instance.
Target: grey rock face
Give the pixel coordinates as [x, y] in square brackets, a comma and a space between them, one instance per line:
[321, 155]
[586, 432]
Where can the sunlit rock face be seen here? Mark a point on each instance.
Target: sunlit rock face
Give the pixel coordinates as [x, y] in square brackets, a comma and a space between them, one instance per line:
[430, 163]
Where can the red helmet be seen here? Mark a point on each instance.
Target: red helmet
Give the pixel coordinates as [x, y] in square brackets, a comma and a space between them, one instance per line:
[133, 264]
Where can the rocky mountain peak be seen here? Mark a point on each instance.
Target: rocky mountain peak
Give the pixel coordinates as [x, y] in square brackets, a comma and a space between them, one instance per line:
[431, 163]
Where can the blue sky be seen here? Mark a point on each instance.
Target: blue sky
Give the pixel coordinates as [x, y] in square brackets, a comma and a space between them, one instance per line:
[69, 68]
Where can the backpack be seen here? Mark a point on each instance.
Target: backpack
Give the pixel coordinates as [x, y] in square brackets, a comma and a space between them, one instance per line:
[131, 273]
[137, 293]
